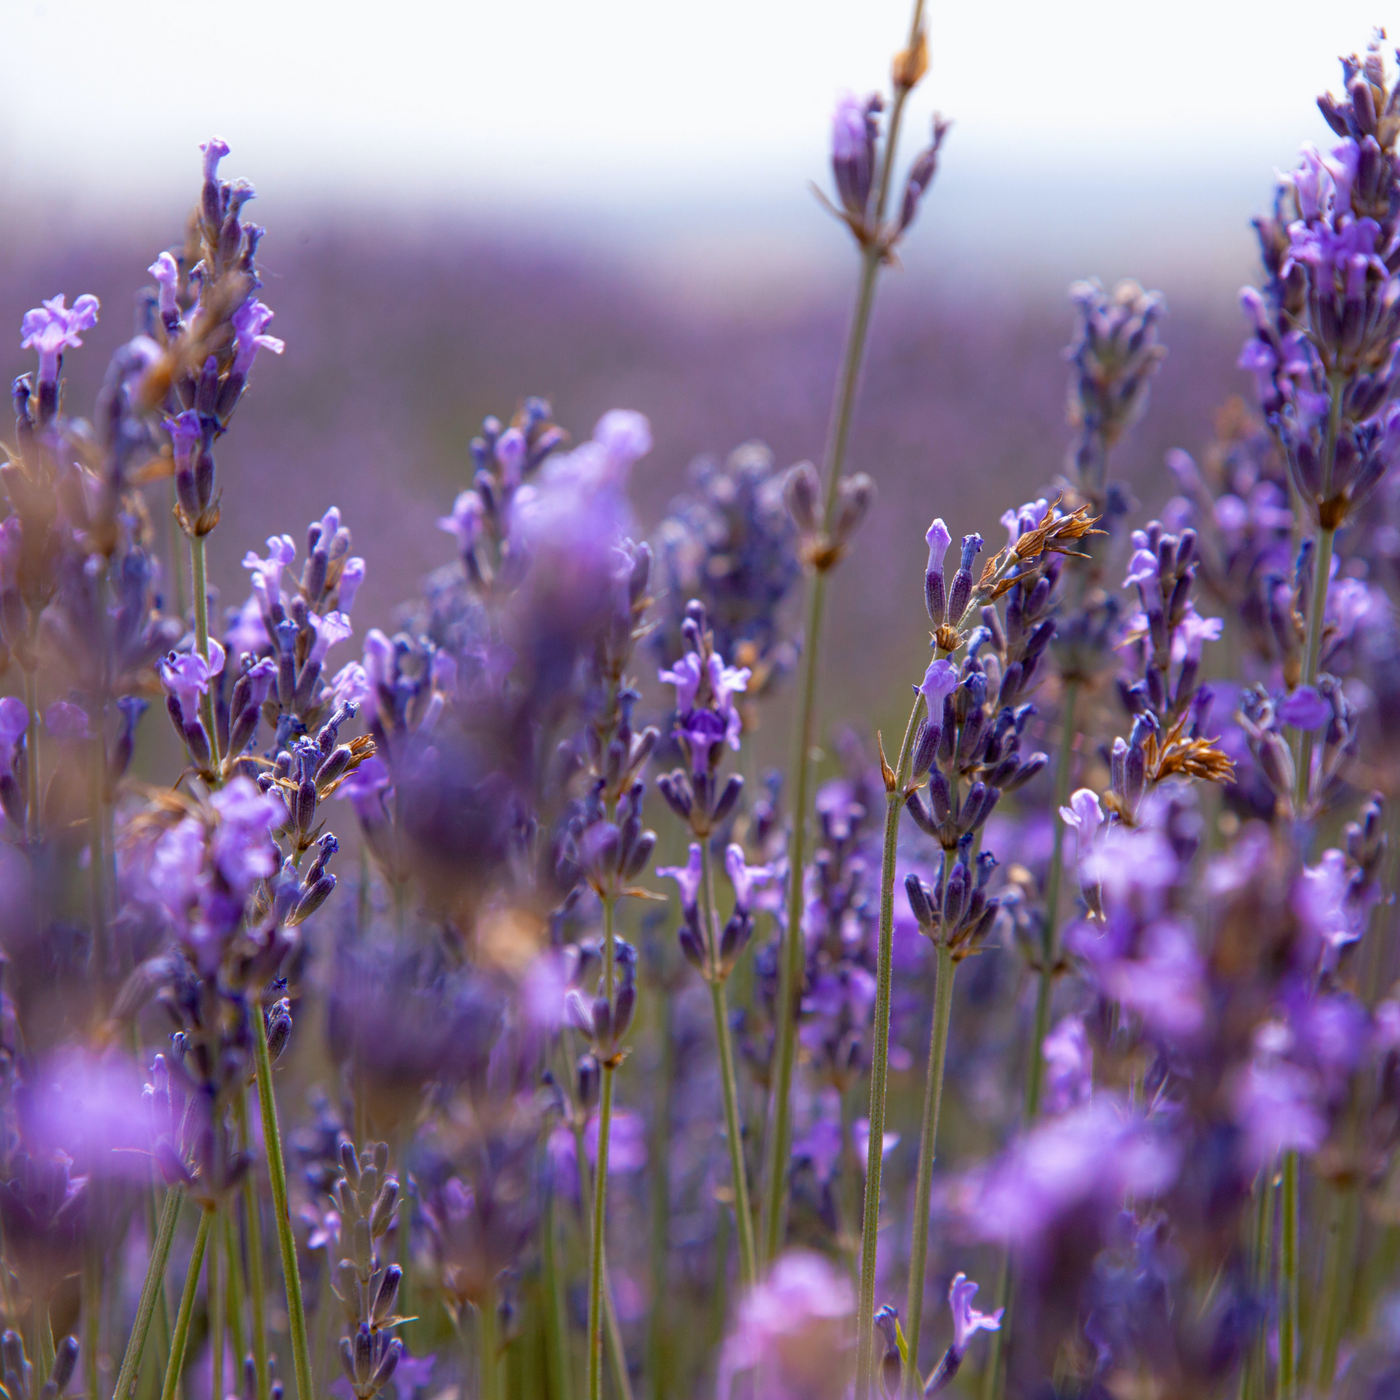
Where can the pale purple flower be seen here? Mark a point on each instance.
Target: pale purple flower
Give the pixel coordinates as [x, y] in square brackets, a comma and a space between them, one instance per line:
[1069, 1066]
[214, 150]
[848, 128]
[1162, 977]
[166, 271]
[465, 520]
[186, 676]
[940, 681]
[366, 789]
[743, 876]
[1322, 900]
[687, 876]
[352, 575]
[332, 628]
[242, 848]
[1142, 569]
[1192, 632]
[1085, 815]
[249, 323]
[1275, 1104]
[624, 436]
[66, 721]
[796, 1329]
[685, 676]
[247, 629]
[725, 683]
[512, 450]
[52, 328]
[281, 552]
[967, 1321]
[349, 685]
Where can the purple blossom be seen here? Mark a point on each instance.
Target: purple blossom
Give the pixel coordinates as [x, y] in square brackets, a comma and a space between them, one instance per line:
[90, 1107]
[14, 721]
[1085, 815]
[349, 686]
[166, 271]
[1069, 1066]
[743, 876]
[352, 575]
[967, 1321]
[281, 552]
[66, 721]
[687, 876]
[214, 150]
[249, 322]
[685, 676]
[52, 328]
[848, 128]
[242, 848]
[1304, 709]
[940, 681]
[332, 628]
[465, 520]
[1275, 1105]
[186, 676]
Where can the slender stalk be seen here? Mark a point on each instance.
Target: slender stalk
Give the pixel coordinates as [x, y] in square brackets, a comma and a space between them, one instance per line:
[277, 1175]
[180, 1340]
[880, 1063]
[1317, 618]
[217, 1319]
[1044, 997]
[556, 1306]
[236, 1292]
[1288, 1281]
[595, 1243]
[779, 1136]
[1339, 1244]
[257, 1286]
[150, 1290]
[92, 1318]
[201, 641]
[928, 1145]
[743, 1214]
[658, 1344]
[1257, 1360]
[488, 1348]
[43, 1336]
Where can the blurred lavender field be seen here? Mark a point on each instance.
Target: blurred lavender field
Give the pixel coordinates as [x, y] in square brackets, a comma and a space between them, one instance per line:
[399, 343]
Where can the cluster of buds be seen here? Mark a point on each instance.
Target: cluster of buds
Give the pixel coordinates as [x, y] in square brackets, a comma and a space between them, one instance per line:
[366, 1198]
[18, 1373]
[826, 535]
[609, 855]
[1323, 707]
[706, 721]
[860, 160]
[956, 912]
[713, 951]
[605, 1023]
[308, 771]
[503, 458]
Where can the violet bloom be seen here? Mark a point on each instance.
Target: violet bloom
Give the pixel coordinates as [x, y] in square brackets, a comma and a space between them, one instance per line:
[90, 1107]
[186, 676]
[52, 328]
[1275, 1105]
[349, 686]
[14, 721]
[1069, 1066]
[796, 1329]
[333, 628]
[935, 594]
[465, 521]
[249, 322]
[281, 552]
[967, 1321]
[166, 271]
[742, 876]
[351, 577]
[1304, 709]
[689, 875]
[242, 848]
[1085, 815]
[685, 676]
[940, 681]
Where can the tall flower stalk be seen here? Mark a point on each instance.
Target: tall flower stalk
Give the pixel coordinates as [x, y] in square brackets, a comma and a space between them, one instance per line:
[827, 510]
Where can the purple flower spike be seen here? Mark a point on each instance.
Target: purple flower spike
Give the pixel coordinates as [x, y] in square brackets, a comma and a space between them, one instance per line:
[334, 627]
[52, 328]
[966, 1319]
[1305, 709]
[940, 681]
[687, 876]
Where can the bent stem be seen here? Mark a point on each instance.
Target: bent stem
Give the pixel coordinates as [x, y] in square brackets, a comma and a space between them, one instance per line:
[928, 1144]
[178, 1342]
[150, 1292]
[277, 1175]
[880, 1063]
[779, 1137]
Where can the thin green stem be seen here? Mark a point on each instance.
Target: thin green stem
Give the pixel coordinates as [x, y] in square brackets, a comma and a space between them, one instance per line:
[180, 1340]
[928, 1147]
[1257, 1361]
[1040, 1026]
[201, 642]
[659, 1164]
[1317, 618]
[779, 1137]
[92, 1317]
[880, 1062]
[236, 1292]
[595, 1243]
[1339, 1248]
[277, 1175]
[1288, 1280]
[257, 1279]
[217, 1319]
[743, 1214]
[150, 1291]
[556, 1305]
[43, 1336]
[488, 1347]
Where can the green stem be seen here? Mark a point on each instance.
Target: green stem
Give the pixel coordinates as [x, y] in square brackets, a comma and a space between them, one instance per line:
[928, 1146]
[1288, 1280]
[1317, 619]
[834, 461]
[150, 1291]
[743, 1215]
[201, 642]
[92, 1318]
[1263, 1247]
[236, 1292]
[1334, 1304]
[1044, 997]
[257, 1285]
[660, 1167]
[277, 1175]
[217, 1320]
[557, 1310]
[880, 1063]
[43, 1336]
[488, 1347]
[595, 1243]
[178, 1342]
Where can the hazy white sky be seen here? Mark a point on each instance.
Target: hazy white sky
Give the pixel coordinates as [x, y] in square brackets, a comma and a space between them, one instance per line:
[713, 108]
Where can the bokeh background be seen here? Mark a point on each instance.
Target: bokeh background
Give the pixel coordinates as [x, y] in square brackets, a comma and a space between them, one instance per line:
[610, 204]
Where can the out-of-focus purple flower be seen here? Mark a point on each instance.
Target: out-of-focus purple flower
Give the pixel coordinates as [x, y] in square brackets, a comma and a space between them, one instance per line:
[90, 1107]
[687, 876]
[1275, 1105]
[166, 271]
[365, 788]
[249, 323]
[14, 721]
[1091, 1158]
[796, 1330]
[52, 328]
[1304, 709]
[332, 628]
[1085, 815]
[967, 1321]
[465, 520]
[1332, 906]
[349, 686]
[1156, 971]
[743, 877]
[243, 848]
[848, 127]
[66, 721]
[685, 676]
[1069, 1066]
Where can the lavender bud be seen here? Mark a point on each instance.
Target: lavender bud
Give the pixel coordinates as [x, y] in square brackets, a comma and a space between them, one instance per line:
[382, 1216]
[853, 500]
[387, 1295]
[801, 492]
[728, 797]
[588, 1080]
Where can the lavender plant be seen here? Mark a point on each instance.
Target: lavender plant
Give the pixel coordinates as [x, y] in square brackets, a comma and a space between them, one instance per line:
[1126, 1019]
